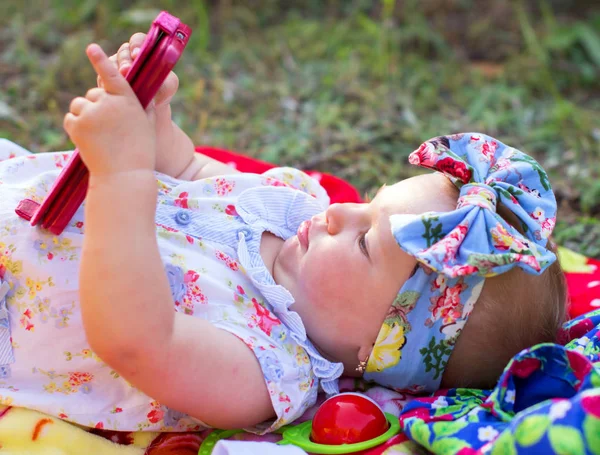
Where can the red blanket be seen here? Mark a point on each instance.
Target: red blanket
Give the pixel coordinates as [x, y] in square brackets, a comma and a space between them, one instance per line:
[339, 190]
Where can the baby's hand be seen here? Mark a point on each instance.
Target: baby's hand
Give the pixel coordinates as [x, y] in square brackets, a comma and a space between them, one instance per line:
[170, 158]
[123, 60]
[109, 126]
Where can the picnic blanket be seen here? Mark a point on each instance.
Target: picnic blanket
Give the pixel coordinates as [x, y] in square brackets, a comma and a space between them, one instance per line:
[546, 401]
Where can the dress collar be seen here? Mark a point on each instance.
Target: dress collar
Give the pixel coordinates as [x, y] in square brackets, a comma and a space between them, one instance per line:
[280, 210]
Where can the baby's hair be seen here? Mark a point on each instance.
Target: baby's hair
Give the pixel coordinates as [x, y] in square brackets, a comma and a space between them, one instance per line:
[515, 311]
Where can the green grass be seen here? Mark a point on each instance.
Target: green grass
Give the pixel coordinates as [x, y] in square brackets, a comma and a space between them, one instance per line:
[348, 87]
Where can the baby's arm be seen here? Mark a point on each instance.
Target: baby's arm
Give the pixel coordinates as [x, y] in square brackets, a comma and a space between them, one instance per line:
[126, 303]
[182, 361]
[176, 155]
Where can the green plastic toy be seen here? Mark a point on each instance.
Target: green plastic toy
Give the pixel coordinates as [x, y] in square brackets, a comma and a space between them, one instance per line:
[299, 435]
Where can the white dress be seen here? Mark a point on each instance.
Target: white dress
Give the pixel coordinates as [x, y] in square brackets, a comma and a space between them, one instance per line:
[209, 235]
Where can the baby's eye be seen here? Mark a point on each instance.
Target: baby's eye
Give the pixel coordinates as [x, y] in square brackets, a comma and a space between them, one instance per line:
[362, 243]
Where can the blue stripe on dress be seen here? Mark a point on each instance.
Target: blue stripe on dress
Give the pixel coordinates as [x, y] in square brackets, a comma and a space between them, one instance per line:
[6, 350]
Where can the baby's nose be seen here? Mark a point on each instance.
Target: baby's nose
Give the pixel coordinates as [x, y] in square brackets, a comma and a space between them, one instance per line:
[335, 218]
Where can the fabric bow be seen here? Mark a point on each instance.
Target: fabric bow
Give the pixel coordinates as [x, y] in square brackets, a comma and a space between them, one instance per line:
[474, 239]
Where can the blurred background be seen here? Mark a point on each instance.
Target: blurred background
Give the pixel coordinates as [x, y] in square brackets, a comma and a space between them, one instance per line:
[348, 87]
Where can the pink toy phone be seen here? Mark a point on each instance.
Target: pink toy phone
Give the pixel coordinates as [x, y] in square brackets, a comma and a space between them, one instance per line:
[158, 55]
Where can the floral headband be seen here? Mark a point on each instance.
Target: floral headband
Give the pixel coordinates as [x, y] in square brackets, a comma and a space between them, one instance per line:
[457, 250]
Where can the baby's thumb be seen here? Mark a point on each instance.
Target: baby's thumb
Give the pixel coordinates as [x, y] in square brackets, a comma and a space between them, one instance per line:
[112, 79]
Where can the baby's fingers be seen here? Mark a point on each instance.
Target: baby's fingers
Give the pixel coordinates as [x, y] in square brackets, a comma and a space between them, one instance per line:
[135, 43]
[112, 80]
[94, 94]
[69, 123]
[113, 59]
[77, 105]
[124, 59]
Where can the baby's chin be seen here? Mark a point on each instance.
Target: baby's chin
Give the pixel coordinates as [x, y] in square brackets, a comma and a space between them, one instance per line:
[285, 266]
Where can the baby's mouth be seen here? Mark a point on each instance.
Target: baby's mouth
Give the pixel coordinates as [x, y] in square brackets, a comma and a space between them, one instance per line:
[303, 231]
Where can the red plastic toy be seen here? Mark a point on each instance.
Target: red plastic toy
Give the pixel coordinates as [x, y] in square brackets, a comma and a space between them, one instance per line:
[348, 418]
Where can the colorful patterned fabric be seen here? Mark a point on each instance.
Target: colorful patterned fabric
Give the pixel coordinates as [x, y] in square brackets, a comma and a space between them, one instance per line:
[546, 401]
[209, 234]
[456, 250]
[22, 429]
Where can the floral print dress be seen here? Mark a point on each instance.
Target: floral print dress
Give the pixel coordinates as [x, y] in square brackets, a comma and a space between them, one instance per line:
[209, 234]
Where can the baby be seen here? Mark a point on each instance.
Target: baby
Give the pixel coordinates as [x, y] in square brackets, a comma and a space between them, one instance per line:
[184, 295]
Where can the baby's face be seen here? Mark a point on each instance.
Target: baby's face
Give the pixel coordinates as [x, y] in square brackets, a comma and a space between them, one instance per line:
[344, 268]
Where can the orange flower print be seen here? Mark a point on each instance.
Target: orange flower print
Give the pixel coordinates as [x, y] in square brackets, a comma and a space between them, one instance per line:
[76, 379]
[25, 320]
[72, 382]
[192, 297]
[537, 214]
[224, 186]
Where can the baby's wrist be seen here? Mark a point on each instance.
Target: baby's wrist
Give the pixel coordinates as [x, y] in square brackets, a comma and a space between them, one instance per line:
[124, 180]
[174, 148]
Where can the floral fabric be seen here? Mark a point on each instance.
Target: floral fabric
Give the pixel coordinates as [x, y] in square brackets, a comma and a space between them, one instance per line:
[209, 234]
[546, 401]
[456, 250]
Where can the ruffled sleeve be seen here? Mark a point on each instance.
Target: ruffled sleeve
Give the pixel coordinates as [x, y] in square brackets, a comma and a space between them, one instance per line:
[286, 367]
[281, 210]
[299, 180]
